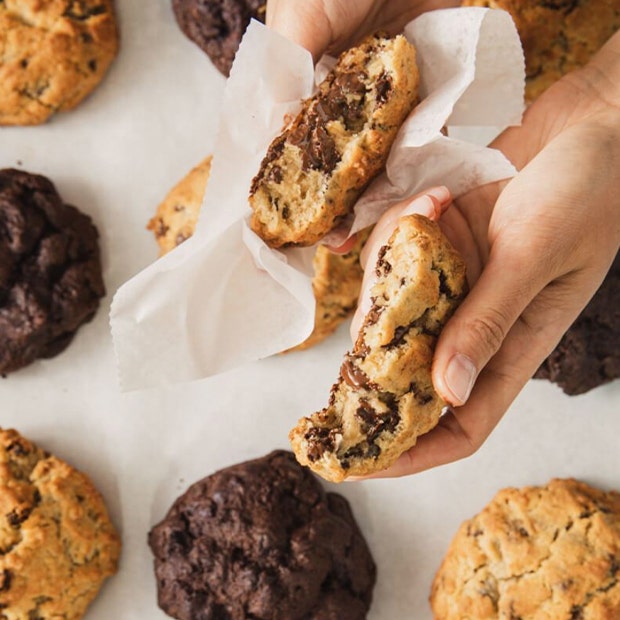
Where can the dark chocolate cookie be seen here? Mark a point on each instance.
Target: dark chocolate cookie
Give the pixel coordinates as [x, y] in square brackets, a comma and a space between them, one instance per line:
[50, 271]
[262, 540]
[588, 355]
[217, 26]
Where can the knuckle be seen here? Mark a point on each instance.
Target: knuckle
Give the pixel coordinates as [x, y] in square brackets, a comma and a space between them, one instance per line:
[488, 331]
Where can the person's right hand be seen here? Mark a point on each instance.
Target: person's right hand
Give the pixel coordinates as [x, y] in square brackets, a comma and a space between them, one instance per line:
[334, 25]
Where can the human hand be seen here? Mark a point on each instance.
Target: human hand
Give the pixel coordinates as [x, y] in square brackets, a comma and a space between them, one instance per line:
[334, 25]
[536, 247]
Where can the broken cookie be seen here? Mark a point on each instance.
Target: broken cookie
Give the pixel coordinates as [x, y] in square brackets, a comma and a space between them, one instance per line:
[384, 397]
[314, 171]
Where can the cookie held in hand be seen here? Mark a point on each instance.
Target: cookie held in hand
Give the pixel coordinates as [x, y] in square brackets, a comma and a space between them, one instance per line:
[536, 552]
[317, 168]
[384, 397]
[262, 540]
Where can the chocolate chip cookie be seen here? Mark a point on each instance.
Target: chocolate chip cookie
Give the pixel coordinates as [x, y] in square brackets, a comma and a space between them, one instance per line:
[536, 552]
[588, 355]
[384, 397]
[337, 277]
[52, 55]
[262, 540]
[177, 215]
[558, 36]
[316, 169]
[336, 285]
[50, 270]
[58, 544]
[217, 26]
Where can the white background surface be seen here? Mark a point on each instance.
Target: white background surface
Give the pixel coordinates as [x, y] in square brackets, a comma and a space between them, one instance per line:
[115, 157]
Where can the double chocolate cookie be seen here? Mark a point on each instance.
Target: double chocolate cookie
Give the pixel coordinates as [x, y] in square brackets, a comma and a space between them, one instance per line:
[56, 540]
[317, 168]
[537, 552]
[384, 397]
[558, 36]
[217, 26]
[50, 270]
[52, 55]
[588, 355]
[262, 540]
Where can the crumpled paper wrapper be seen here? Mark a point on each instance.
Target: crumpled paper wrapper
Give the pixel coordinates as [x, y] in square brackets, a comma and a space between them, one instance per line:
[223, 298]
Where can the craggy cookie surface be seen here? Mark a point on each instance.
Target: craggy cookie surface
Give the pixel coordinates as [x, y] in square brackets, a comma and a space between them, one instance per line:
[337, 277]
[315, 170]
[176, 217]
[217, 26]
[56, 540]
[384, 397]
[50, 270]
[558, 36]
[550, 552]
[52, 54]
[262, 540]
[588, 355]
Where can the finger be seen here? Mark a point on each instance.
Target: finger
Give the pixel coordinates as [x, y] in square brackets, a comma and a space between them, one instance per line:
[431, 203]
[304, 23]
[508, 284]
[462, 430]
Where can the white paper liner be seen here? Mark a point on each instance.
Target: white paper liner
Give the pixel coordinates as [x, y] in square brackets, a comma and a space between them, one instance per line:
[223, 298]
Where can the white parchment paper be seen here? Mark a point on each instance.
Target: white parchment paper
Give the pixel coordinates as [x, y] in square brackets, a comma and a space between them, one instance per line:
[224, 298]
[115, 157]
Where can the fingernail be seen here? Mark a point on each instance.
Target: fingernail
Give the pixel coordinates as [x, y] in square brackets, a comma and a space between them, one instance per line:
[429, 203]
[460, 377]
[441, 193]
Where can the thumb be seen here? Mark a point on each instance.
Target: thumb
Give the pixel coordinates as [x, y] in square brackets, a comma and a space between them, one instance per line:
[479, 326]
[303, 23]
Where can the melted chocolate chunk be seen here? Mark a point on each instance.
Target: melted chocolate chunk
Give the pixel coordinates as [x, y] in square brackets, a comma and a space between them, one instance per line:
[320, 440]
[384, 87]
[354, 375]
[318, 149]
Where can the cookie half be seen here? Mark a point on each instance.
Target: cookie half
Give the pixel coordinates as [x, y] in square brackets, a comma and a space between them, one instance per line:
[558, 36]
[262, 540]
[50, 270]
[52, 55]
[537, 552]
[316, 169]
[384, 397]
[58, 543]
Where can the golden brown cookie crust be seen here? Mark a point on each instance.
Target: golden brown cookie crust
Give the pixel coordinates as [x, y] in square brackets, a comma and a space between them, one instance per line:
[53, 53]
[558, 36]
[56, 539]
[336, 285]
[177, 215]
[536, 552]
[384, 397]
[315, 170]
